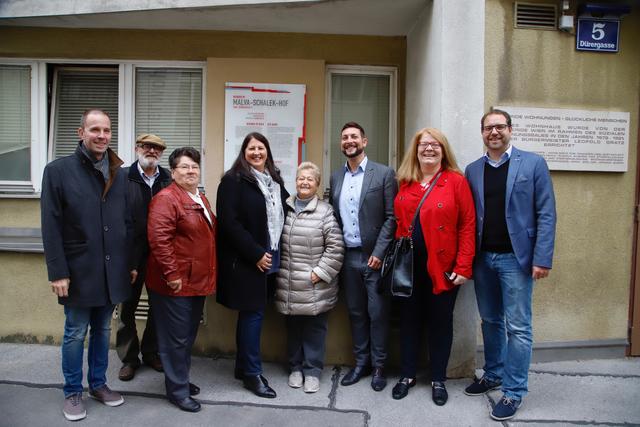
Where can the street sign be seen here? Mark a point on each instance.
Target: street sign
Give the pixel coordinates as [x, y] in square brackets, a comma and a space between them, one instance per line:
[599, 35]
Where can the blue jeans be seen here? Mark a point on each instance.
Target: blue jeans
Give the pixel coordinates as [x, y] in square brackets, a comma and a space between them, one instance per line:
[76, 323]
[503, 292]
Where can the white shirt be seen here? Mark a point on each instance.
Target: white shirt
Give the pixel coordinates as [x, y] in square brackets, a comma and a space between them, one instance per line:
[198, 199]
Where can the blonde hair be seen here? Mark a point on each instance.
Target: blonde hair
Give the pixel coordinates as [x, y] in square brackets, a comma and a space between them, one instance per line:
[310, 166]
[409, 169]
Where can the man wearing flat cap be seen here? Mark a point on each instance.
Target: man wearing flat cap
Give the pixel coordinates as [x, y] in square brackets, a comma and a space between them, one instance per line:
[146, 178]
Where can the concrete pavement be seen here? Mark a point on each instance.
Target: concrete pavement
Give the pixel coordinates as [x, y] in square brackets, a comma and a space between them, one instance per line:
[598, 392]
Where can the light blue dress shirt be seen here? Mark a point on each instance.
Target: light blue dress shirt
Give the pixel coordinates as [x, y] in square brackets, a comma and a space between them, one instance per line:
[350, 204]
[149, 180]
[505, 156]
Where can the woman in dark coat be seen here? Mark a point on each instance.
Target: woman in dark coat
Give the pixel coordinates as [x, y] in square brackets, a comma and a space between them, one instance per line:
[250, 207]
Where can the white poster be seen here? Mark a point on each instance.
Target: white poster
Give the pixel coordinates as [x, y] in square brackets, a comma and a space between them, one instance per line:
[275, 110]
[574, 140]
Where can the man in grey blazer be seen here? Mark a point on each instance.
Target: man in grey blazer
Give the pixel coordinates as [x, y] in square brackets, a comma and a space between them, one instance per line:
[361, 193]
[516, 220]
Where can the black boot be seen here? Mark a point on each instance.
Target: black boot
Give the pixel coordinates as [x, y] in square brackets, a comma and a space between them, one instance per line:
[259, 386]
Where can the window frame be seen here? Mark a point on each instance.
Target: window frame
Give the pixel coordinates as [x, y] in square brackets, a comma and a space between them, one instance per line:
[126, 113]
[371, 70]
[37, 152]
[132, 118]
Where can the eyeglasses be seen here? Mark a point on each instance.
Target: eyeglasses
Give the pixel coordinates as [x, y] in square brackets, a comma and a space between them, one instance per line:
[499, 128]
[187, 168]
[146, 146]
[434, 145]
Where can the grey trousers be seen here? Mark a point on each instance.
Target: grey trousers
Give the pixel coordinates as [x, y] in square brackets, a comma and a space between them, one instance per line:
[306, 343]
[127, 344]
[368, 310]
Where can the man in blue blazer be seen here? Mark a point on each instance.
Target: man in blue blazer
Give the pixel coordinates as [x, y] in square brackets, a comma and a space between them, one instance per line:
[515, 220]
[361, 193]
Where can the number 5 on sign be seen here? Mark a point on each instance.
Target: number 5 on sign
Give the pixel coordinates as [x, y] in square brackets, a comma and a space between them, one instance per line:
[598, 31]
[598, 35]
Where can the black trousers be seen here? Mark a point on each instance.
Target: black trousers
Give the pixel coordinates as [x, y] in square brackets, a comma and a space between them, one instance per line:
[127, 344]
[436, 312]
[424, 308]
[177, 320]
[306, 343]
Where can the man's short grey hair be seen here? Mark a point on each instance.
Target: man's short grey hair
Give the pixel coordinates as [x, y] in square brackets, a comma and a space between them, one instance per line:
[309, 166]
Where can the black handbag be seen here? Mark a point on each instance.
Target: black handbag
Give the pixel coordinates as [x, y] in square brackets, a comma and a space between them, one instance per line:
[397, 266]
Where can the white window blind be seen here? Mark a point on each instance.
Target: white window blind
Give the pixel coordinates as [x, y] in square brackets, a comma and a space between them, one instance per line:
[363, 99]
[15, 123]
[168, 103]
[76, 90]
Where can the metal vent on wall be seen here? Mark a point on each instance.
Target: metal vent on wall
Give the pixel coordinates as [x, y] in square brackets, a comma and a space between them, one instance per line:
[142, 312]
[542, 16]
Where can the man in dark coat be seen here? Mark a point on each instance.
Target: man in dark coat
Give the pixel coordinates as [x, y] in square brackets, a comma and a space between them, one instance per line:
[85, 231]
[145, 179]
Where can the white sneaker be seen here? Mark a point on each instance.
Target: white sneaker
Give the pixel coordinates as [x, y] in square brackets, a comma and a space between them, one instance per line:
[295, 379]
[311, 384]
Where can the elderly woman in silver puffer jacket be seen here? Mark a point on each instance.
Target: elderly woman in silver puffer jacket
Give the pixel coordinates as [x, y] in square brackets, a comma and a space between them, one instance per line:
[312, 251]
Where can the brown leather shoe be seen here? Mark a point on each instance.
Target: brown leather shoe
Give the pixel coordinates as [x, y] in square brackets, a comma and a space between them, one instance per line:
[154, 363]
[127, 372]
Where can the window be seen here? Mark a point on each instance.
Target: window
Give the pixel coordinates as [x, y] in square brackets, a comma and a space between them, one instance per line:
[75, 90]
[15, 123]
[140, 96]
[169, 104]
[366, 95]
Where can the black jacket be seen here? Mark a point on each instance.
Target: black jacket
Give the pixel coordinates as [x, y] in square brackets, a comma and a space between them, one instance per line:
[86, 230]
[243, 239]
[139, 197]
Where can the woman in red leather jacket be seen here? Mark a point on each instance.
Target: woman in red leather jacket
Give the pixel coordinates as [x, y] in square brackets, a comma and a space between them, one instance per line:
[444, 242]
[181, 270]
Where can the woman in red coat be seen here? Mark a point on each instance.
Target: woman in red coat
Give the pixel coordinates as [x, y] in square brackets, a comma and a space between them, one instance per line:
[181, 271]
[444, 242]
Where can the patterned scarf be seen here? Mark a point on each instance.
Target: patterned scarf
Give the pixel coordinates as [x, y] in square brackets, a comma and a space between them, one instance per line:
[275, 214]
[101, 165]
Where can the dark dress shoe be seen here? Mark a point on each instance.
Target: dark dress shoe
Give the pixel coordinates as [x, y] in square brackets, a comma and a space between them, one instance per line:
[127, 372]
[439, 393]
[401, 389]
[355, 374]
[153, 362]
[194, 390]
[379, 380]
[187, 404]
[259, 386]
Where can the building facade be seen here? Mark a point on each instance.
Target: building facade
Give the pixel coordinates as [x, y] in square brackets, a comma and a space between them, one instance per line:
[394, 66]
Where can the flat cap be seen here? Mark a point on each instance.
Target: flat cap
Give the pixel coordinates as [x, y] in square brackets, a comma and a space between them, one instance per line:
[149, 138]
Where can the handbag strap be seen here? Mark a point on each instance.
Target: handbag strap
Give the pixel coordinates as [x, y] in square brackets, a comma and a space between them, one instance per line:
[415, 215]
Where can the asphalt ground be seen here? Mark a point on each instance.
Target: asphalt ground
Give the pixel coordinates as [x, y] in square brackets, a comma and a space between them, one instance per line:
[594, 392]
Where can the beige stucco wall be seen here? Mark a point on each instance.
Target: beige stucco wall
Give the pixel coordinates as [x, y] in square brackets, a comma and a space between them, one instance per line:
[230, 56]
[289, 71]
[587, 295]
